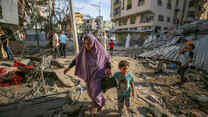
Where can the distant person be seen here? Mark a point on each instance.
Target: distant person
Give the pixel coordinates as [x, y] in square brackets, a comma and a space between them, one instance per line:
[56, 45]
[104, 40]
[92, 64]
[50, 39]
[111, 45]
[63, 41]
[186, 57]
[125, 86]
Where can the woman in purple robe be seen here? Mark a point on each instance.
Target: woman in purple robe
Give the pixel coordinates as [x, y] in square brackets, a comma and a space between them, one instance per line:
[92, 64]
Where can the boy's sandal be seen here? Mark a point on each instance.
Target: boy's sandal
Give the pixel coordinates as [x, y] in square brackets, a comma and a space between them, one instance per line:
[132, 110]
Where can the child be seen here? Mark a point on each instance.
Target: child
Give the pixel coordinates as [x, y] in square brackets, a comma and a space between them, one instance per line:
[186, 57]
[125, 85]
[111, 44]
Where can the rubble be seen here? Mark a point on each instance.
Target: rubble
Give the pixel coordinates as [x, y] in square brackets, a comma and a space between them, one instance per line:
[156, 95]
[72, 109]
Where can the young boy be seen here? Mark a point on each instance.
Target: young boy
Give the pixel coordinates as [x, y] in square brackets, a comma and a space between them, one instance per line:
[125, 85]
[185, 56]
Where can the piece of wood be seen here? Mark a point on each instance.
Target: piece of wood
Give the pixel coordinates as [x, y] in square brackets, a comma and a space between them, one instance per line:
[61, 76]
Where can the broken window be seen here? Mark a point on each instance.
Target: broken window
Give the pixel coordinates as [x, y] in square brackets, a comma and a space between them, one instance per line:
[159, 2]
[191, 3]
[1, 12]
[191, 14]
[169, 5]
[133, 19]
[141, 2]
[129, 4]
[124, 21]
[168, 19]
[117, 11]
[165, 28]
[161, 18]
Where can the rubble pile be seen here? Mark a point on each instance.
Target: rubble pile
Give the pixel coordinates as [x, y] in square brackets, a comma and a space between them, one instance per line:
[40, 92]
[189, 99]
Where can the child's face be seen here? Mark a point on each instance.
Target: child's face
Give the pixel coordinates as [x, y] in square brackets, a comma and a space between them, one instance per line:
[124, 70]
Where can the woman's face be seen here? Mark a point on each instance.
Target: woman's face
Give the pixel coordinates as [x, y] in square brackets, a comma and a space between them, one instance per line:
[88, 45]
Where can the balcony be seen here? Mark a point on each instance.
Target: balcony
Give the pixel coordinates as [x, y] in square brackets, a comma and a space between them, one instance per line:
[133, 25]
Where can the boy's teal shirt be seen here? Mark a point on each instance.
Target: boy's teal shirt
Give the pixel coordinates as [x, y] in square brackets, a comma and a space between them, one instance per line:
[129, 78]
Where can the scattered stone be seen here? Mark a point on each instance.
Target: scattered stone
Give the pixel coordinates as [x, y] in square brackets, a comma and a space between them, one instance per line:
[72, 109]
[201, 98]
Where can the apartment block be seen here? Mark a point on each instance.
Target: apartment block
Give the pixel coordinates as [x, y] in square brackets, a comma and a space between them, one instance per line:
[150, 14]
[9, 12]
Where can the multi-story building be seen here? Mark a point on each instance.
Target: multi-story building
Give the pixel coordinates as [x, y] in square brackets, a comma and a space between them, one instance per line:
[150, 14]
[94, 24]
[79, 22]
[9, 12]
[79, 17]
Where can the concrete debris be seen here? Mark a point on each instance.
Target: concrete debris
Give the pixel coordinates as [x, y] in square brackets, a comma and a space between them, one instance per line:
[71, 109]
[49, 105]
[170, 52]
[201, 98]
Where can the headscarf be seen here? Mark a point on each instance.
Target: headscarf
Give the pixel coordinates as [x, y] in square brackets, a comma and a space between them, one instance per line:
[89, 62]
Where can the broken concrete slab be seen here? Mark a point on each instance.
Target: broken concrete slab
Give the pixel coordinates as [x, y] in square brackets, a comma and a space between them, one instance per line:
[71, 109]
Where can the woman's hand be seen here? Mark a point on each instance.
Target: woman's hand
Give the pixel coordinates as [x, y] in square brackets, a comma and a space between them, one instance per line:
[108, 72]
[66, 70]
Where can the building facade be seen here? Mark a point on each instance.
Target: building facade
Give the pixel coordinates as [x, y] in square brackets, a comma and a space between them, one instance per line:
[9, 12]
[79, 17]
[150, 14]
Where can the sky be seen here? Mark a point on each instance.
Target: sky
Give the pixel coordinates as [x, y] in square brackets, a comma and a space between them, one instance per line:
[87, 7]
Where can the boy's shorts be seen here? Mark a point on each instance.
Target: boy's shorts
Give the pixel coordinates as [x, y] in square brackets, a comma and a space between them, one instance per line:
[124, 100]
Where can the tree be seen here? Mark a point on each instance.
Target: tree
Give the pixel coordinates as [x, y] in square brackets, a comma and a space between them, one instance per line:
[199, 5]
[30, 9]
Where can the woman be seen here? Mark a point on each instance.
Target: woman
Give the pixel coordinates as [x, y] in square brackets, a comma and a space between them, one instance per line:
[92, 64]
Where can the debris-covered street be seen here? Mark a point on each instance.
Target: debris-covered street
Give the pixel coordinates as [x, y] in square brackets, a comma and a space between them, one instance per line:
[156, 95]
[103, 58]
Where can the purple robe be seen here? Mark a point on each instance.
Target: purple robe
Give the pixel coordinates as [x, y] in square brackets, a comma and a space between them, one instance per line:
[90, 67]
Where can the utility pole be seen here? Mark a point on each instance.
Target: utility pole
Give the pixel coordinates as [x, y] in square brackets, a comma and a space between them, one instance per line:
[74, 29]
[100, 8]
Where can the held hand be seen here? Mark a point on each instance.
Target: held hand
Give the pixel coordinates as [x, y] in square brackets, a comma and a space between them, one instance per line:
[108, 72]
[66, 70]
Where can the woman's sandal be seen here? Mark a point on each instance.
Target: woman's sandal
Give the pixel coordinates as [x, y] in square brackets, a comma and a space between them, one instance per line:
[99, 109]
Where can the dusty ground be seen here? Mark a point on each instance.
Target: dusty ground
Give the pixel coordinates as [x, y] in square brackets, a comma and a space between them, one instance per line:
[156, 95]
